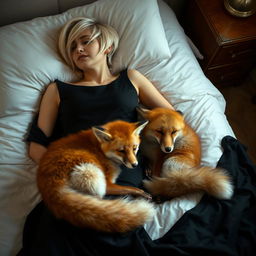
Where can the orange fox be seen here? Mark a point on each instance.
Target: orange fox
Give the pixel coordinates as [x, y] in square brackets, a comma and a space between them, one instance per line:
[174, 152]
[78, 170]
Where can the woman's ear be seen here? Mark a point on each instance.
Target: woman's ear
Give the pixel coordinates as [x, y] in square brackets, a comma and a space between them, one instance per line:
[108, 50]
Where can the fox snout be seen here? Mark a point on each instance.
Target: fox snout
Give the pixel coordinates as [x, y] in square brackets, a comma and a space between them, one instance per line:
[131, 165]
[167, 143]
[130, 161]
[167, 149]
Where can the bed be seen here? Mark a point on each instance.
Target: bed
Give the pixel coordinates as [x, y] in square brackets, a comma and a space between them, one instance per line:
[153, 42]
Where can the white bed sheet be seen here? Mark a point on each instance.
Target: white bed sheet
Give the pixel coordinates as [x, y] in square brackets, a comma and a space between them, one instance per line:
[182, 82]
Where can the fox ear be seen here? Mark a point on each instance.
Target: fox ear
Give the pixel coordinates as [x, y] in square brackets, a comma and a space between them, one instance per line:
[101, 134]
[140, 127]
[180, 112]
[143, 112]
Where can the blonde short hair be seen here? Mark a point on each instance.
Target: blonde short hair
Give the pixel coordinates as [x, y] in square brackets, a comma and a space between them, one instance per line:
[105, 34]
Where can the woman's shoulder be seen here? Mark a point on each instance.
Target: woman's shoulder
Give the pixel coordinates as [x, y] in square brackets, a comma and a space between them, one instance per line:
[51, 91]
[58, 82]
[134, 74]
[51, 87]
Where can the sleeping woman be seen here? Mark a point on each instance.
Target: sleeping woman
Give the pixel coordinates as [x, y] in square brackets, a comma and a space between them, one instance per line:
[97, 98]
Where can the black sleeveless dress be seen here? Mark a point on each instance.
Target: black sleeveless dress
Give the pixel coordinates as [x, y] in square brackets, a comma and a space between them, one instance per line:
[82, 107]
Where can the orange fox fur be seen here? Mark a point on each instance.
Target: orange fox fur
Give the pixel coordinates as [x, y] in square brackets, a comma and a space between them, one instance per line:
[78, 170]
[174, 152]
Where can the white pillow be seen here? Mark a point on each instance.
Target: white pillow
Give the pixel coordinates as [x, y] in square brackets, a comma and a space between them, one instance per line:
[29, 59]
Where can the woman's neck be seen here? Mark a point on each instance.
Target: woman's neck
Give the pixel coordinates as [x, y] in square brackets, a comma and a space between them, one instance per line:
[99, 75]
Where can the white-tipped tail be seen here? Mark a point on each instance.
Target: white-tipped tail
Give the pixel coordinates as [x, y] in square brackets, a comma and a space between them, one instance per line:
[118, 215]
[215, 182]
[222, 188]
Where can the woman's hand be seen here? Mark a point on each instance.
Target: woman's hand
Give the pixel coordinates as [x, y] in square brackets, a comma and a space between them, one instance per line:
[36, 151]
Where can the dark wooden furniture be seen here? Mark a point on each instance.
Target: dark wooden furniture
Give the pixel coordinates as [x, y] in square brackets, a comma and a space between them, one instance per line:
[228, 43]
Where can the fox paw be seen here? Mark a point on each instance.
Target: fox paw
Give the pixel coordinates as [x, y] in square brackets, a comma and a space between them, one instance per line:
[144, 194]
[150, 186]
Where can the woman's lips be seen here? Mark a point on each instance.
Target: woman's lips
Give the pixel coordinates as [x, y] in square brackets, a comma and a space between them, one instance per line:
[83, 57]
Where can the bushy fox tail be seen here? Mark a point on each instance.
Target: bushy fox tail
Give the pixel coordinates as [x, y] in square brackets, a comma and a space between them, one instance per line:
[117, 215]
[215, 182]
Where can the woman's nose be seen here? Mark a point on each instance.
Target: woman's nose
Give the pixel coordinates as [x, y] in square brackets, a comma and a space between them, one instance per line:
[80, 48]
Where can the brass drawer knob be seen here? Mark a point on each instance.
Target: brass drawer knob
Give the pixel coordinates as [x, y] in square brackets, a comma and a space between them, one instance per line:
[240, 8]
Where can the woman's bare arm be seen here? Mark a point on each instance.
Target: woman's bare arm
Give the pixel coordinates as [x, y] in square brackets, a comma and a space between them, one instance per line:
[46, 120]
[148, 94]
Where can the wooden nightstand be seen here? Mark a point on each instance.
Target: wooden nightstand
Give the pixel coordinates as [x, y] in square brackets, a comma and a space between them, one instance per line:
[228, 43]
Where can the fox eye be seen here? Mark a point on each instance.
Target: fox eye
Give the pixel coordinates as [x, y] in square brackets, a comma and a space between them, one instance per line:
[134, 148]
[173, 132]
[120, 150]
[160, 132]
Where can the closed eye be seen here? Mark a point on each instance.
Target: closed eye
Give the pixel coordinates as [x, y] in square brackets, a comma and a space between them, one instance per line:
[160, 132]
[73, 46]
[173, 132]
[86, 42]
[120, 150]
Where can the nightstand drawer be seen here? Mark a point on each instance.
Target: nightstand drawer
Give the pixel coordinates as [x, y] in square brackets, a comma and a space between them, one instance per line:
[235, 53]
[228, 43]
[229, 73]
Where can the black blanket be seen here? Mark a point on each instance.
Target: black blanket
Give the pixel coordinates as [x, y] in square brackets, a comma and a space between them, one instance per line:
[213, 227]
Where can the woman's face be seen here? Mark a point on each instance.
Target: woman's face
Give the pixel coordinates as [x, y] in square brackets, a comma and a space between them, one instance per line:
[85, 54]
